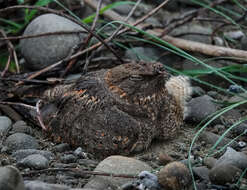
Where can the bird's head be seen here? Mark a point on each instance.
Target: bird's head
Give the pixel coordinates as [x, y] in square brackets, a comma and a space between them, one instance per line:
[135, 79]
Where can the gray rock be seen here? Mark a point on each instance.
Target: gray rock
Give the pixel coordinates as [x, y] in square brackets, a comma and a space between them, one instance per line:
[143, 53]
[19, 123]
[202, 172]
[61, 147]
[197, 91]
[44, 51]
[5, 125]
[20, 154]
[38, 185]
[148, 180]
[231, 156]
[224, 173]
[194, 28]
[196, 113]
[20, 141]
[80, 153]
[34, 161]
[21, 127]
[209, 162]
[123, 9]
[236, 35]
[68, 158]
[218, 41]
[211, 138]
[11, 179]
[213, 94]
[238, 98]
[116, 165]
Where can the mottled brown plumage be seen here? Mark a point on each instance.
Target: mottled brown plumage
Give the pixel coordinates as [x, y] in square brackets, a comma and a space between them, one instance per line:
[116, 111]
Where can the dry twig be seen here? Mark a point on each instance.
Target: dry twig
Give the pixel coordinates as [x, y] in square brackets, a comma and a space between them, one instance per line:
[77, 171]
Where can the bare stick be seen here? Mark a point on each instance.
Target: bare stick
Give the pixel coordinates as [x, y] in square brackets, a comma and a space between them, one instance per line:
[18, 104]
[78, 171]
[87, 40]
[43, 34]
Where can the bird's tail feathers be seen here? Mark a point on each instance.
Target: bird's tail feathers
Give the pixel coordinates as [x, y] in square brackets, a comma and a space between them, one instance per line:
[180, 88]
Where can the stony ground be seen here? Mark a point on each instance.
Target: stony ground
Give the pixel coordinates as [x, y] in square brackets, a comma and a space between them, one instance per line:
[42, 164]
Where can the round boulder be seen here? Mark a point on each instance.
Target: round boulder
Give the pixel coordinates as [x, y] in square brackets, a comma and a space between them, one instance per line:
[43, 51]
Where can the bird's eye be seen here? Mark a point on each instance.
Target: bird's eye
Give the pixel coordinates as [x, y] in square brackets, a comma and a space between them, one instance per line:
[136, 77]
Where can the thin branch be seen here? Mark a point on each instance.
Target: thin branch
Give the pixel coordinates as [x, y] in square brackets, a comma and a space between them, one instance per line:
[18, 104]
[87, 40]
[78, 171]
[43, 34]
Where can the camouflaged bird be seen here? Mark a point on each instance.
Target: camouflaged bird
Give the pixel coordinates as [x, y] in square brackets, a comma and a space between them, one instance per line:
[119, 110]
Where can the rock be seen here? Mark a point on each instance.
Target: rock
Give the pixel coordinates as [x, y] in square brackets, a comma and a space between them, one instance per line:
[224, 173]
[5, 125]
[209, 162]
[236, 159]
[123, 9]
[211, 138]
[20, 154]
[235, 35]
[116, 165]
[21, 127]
[219, 129]
[20, 141]
[230, 117]
[165, 158]
[195, 105]
[213, 94]
[218, 41]
[197, 91]
[38, 185]
[143, 53]
[202, 172]
[11, 179]
[62, 147]
[174, 176]
[148, 180]
[80, 153]
[238, 98]
[235, 88]
[68, 158]
[44, 51]
[34, 161]
[193, 28]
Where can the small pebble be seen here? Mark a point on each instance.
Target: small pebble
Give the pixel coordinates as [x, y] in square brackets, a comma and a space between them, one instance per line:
[5, 125]
[68, 158]
[222, 174]
[34, 161]
[61, 147]
[20, 141]
[174, 176]
[165, 159]
[80, 153]
[20, 154]
[209, 162]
